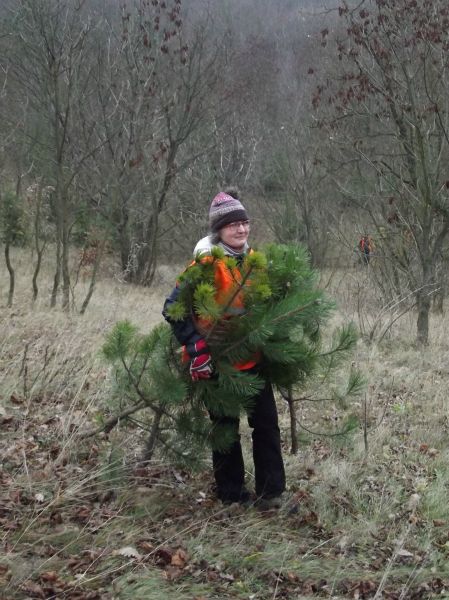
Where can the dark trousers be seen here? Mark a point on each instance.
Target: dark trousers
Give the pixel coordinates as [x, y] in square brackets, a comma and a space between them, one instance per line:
[229, 470]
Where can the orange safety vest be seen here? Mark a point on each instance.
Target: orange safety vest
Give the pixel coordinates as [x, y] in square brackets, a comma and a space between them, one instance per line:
[225, 280]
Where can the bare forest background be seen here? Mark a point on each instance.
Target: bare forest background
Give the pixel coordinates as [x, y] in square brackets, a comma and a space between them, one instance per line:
[120, 121]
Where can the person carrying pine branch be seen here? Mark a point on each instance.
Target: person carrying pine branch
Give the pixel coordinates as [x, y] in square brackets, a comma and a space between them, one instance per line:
[230, 268]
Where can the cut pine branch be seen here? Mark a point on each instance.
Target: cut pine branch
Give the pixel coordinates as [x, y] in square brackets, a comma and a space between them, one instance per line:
[277, 319]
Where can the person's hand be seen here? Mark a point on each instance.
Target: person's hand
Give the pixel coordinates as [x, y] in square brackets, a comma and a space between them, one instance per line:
[201, 361]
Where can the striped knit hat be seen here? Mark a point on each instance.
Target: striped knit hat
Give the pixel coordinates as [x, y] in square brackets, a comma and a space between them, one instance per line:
[225, 209]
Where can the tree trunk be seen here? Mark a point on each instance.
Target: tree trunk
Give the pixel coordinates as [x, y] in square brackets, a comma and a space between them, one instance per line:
[39, 249]
[125, 245]
[441, 277]
[423, 303]
[37, 269]
[123, 231]
[145, 266]
[65, 267]
[151, 264]
[11, 275]
[57, 277]
[147, 254]
[93, 279]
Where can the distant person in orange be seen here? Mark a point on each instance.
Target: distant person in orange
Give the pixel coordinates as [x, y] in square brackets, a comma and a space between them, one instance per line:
[366, 247]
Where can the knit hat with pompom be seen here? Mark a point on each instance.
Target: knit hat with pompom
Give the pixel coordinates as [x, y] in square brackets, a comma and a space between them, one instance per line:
[224, 209]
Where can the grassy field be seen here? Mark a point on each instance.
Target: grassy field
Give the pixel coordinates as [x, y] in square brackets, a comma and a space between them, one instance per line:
[366, 515]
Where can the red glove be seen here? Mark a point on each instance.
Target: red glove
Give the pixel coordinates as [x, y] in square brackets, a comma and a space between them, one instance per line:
[201, 361]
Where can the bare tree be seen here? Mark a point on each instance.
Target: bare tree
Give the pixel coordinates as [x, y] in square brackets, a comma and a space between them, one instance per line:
[152, 94]
[294, 183]
[386, 114]
[51, 71]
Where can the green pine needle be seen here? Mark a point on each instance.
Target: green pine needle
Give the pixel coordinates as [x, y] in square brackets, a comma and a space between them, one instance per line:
[217, 252]
[177, 311]
[191, 275]
[168, 389]
[119, 341]
[159, 337]
[356, 383]
[230, 262]
[255, 260]
[204, 302]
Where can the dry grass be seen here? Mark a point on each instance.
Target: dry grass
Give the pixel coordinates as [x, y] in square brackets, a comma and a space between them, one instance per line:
[368, 524]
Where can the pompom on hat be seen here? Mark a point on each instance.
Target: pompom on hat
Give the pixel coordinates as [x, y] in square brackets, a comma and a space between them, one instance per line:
[225, 209]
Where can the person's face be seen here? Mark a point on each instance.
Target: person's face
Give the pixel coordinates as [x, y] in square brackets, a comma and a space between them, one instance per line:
[235, 234]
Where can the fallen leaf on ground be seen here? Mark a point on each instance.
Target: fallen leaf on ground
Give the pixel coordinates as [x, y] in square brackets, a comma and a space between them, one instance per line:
[439, 522]
[179, 558]
[164, 555]
[172, 573]
[16, 399]
[363, 588]
[49, 576]
[33, 589]
[129, 552]
[5, 574]
[147, 547]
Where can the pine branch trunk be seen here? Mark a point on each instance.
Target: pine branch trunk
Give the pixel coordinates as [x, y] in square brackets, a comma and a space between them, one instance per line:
[153, 437]
[110, 423]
